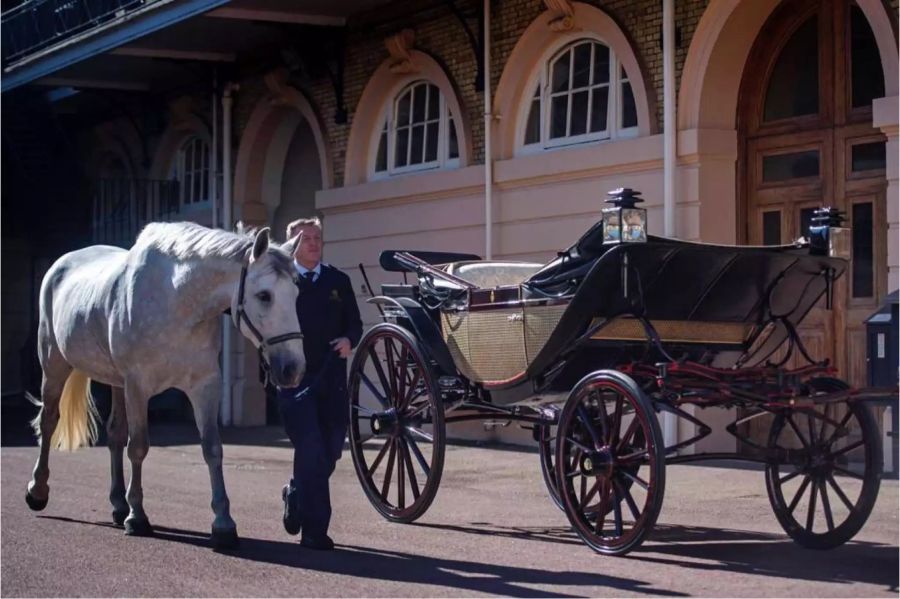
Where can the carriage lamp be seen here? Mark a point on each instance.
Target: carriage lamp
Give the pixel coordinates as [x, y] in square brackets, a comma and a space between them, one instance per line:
[623, 222]
[827, 236]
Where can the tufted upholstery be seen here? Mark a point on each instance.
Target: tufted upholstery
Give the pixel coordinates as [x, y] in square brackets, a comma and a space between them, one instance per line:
[493, 274]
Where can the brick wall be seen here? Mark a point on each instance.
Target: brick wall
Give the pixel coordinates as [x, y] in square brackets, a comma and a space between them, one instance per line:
[441, 35]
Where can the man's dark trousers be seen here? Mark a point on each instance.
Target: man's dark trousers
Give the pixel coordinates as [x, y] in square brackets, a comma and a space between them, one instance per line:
[316, 423]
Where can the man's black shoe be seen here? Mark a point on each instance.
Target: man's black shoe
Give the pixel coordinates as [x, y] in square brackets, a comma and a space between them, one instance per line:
[291, 518]
[323, 543]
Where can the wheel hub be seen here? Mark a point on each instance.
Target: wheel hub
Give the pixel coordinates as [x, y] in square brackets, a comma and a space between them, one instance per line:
[598, 463]
[385, 423]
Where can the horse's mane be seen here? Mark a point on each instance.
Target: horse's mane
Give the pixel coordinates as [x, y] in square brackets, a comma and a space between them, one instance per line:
[186, 240]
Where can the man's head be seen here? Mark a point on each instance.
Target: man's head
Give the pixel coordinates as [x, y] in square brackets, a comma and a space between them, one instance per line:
[309, 247]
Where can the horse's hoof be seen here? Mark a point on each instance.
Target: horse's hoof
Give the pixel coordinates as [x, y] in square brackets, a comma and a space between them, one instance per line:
[34, 503]
[138, 528]
[119, 516]
[225, 539]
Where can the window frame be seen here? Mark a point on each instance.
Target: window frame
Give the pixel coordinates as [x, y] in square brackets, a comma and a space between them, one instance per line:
[389, 129]
[180, 174]
[541, 83]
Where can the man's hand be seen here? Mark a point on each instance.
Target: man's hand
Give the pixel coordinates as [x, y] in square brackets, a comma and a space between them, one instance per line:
[342, 346]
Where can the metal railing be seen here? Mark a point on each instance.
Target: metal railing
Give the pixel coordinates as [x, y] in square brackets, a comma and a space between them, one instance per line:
[37, 24]
[123, 206]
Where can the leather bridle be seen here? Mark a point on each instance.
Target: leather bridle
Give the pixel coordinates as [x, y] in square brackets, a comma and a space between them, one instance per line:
[241, 316]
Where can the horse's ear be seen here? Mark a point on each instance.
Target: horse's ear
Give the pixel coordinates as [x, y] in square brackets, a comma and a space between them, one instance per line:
[261, 244]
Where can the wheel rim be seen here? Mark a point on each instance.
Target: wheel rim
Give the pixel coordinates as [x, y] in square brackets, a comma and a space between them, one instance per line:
[396, 425]
[546, 446]
[608, 468]
[822, 492]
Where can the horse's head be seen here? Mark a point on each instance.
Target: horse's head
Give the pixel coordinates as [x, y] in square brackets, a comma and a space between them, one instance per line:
[265, 310]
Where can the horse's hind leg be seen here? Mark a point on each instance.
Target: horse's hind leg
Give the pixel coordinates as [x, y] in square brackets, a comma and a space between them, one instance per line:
[205, 401]
[137, 523]
[117, 427]
[56, 371]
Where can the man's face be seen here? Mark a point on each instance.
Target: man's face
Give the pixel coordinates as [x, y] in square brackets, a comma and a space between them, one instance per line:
[309, 249]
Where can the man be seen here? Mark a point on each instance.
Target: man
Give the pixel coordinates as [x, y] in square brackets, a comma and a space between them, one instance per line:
[316, 414]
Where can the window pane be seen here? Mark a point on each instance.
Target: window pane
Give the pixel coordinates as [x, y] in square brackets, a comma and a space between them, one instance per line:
[599, 103]
[381, 156]
[431, 142]
[772, 228]
[419, 96]
[453, 151]
[794, 84]
[863, 284]
[581, 67]
[806, 215]
[629, 111]
[561, 73]
[434, 102]
[418, 143]
[558, 112]
[865, 62]
[601, 64]
[579, 113]
[782, 167]
[533, 126]
[401, 147]
[403, 110]
[868, 157]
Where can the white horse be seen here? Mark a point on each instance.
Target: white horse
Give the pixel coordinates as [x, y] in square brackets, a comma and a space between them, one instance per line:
[147, 319]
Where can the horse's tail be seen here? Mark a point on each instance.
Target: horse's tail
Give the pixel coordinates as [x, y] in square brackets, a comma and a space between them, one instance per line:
[78, 416]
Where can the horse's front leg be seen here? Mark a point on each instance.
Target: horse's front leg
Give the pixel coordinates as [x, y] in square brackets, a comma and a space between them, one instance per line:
[136, 400]
[117, 427]
[205, 401]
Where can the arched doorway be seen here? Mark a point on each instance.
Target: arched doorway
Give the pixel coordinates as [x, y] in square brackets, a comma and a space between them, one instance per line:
[805, 140]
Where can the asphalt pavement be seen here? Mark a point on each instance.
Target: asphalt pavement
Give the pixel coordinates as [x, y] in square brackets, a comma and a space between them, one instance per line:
[491, 531]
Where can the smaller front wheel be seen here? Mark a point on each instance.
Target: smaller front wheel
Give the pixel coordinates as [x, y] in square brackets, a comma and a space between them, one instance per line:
[610, 462]
[396, 423]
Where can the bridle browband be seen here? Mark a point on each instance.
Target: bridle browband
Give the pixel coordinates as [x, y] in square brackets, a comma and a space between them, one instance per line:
[241, 315]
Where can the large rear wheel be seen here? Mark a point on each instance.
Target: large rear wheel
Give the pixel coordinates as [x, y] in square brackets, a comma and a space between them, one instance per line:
[396, 423]
[610, 462]
[824, 489]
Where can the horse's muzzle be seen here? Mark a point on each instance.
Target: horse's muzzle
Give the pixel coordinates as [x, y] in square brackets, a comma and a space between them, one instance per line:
[285, 371]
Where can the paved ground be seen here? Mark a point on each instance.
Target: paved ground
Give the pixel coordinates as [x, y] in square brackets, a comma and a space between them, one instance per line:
[491, 531]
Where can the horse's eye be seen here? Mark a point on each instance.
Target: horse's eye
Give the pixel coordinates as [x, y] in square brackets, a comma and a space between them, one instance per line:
[264, 296]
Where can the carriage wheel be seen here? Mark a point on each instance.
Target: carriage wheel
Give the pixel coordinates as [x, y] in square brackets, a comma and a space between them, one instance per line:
[396, 423]
[610, 462]
[546, 435]
[824, 491]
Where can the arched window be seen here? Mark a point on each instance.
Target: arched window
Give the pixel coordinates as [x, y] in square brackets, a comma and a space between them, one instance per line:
[191, 170]
[582, 95]
[418, 132]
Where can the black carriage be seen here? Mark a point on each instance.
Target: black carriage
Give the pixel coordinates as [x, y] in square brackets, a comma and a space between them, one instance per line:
[588, 349]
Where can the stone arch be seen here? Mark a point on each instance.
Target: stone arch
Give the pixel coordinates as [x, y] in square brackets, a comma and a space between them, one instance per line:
[184, 123]
[541, 39]
[381, 89]
[264, 147]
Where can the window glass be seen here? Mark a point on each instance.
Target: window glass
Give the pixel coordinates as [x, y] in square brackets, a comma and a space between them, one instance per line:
[793, 165]
[866, 75]
[772, 227]
[863, 279]
[793, 88]
[868, 157]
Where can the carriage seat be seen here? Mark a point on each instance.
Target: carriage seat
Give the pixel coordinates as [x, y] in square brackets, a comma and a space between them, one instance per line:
[486, 274]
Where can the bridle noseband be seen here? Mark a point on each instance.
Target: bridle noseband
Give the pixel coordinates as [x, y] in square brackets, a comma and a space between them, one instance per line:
[241, 315]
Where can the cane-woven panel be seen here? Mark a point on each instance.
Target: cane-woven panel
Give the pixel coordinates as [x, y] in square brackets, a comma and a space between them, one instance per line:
[676, 331]
[540, 322]
[487, 345]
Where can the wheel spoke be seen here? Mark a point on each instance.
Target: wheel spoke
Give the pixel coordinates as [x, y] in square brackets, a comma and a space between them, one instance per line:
[401, 478]
[811, 511]
[810, 424]
[617, 422]
[413, 483]
[628, 499]
[826, 506]
[578, 445]
[365, 411]
[385, 487]
[850, 447]
[381, 399]
[401, 377]
[839, 493]
[379, 457]
[825, 422]
[582, 414]
[419, 433]
[636, 480]
[423, 463]
[604, 506]
[849, 473]
[411, 389]
[788, 477]
[617, 512]
[799, 494]
[630, 457]
[590, 494]
[629, 433]
[800, 436]
[379, 370]
[839, 428]
[604, 420]
[583, 492]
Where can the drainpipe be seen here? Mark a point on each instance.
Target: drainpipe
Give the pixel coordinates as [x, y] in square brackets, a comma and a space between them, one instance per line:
[214, 158]
[228, 329]
[488, 159]
[670, 421]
